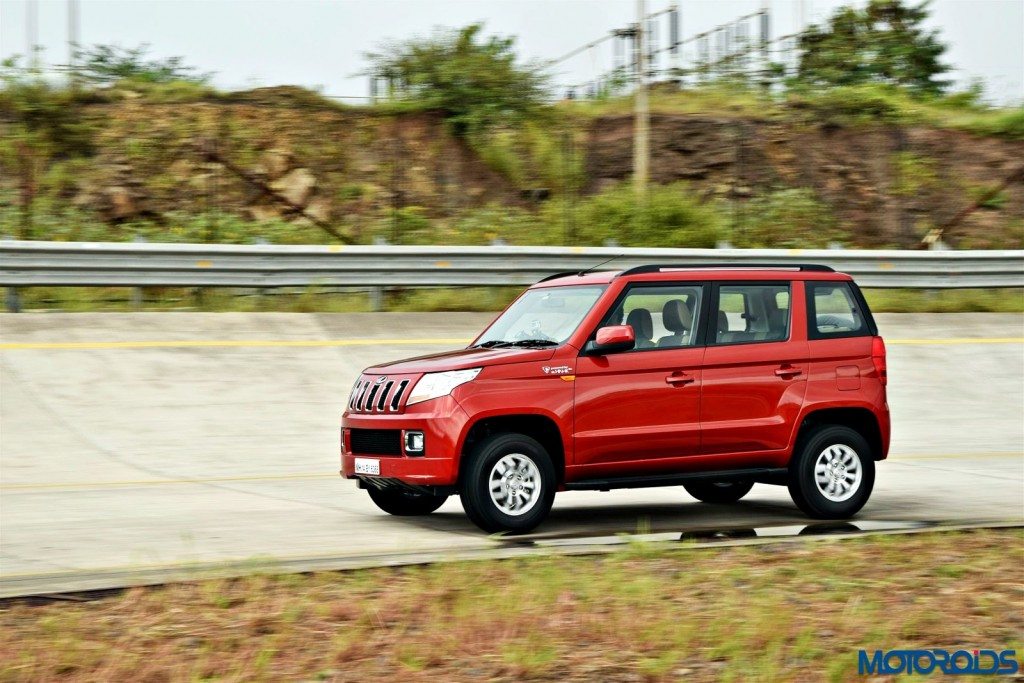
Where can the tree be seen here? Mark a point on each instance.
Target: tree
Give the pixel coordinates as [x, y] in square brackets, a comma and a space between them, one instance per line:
[107, 64]
[883, 43]
[474, 82]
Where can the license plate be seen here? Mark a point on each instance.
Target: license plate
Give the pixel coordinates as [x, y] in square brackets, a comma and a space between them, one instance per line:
[367, 466]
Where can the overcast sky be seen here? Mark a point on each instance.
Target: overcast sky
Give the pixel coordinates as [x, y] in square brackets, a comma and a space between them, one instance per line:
[320, 43]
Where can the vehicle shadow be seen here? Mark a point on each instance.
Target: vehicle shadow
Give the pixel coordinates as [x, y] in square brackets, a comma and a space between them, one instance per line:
[575, 521]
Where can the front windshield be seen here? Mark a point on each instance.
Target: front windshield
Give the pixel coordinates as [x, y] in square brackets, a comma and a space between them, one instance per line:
[542, 317]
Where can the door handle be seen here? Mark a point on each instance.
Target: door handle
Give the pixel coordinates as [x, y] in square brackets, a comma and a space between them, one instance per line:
[786, 370]
[679, 378]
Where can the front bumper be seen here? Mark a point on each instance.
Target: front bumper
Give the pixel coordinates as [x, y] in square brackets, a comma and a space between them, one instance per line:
[441, 420]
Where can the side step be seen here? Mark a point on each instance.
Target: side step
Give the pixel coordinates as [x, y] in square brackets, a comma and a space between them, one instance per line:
[762, 475]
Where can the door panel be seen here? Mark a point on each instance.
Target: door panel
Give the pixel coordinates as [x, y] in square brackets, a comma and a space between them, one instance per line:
[753, 387]
[745, 405]
[636, 410]
[637, 407]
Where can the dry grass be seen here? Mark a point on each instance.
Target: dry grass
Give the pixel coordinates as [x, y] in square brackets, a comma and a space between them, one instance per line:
[775, 612]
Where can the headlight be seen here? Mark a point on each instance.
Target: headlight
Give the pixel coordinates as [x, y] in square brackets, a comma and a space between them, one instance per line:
[438, 384]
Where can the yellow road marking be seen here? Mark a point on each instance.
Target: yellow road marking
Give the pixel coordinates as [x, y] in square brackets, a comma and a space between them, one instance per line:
[954, 456]
[162, 482]
[319, 343]
[959, 340]
[228, 343]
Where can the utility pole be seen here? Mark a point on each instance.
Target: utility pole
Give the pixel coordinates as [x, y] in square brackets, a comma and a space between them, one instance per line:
[642, 123]
[73, 22]
[764, 21]
[675, 30]
[32, 33]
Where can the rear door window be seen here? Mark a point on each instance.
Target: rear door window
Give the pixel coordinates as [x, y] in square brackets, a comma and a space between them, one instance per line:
[749, 312]
[834, 311]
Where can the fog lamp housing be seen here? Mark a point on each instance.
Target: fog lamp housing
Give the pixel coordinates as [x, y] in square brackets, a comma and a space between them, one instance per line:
[414, 443]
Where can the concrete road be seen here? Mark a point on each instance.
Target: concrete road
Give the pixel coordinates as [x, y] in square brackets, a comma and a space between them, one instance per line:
[135, 440]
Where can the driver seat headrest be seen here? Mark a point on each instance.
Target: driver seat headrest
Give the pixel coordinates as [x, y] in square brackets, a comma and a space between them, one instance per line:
[642, 323]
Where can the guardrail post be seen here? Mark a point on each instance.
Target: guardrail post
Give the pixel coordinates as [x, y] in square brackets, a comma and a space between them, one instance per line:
[376, 299]
[137, 291]
[12, 300]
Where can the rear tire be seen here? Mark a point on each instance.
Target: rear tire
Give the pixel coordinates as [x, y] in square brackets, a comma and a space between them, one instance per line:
[718, 492]
[832, 473]
[508, 483]
[405, 503]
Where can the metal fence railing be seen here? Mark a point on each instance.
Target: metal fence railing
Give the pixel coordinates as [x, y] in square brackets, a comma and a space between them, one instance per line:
[103, 264]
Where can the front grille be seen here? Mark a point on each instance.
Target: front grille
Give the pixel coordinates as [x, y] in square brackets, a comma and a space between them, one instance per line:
[376, 441]
[373, 396]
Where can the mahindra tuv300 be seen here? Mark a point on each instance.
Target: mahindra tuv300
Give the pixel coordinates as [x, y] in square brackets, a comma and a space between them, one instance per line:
[712, 377]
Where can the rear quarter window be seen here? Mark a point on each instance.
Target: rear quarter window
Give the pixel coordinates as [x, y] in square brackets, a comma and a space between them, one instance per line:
[835, 309]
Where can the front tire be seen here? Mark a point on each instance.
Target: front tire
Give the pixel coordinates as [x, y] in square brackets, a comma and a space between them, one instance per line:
[718, 492]
[508, 484]
[405, 503]
[832, 474]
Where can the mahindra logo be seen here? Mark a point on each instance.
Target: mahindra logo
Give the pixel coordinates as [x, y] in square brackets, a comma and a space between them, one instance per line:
[380, 380]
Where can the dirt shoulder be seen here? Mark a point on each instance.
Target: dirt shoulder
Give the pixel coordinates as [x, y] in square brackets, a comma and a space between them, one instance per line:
[772, 612]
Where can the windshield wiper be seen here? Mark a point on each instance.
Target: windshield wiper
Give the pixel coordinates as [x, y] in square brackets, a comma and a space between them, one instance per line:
[533, 342]
[488, 344]
[501, 344]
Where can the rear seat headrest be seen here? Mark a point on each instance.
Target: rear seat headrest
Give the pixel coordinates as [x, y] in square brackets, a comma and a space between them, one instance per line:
[676, 316]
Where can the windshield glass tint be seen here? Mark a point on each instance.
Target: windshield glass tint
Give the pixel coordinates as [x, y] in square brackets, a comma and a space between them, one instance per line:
[550, 314]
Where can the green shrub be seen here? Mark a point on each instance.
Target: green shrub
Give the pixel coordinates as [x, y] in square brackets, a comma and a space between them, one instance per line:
[494, 222]
[914, 174]
[169, 92]
[856, 104]
[407, 225]
[498, 150]
[672, 216]
[1006, 123]
[792, 218]
[45, 118]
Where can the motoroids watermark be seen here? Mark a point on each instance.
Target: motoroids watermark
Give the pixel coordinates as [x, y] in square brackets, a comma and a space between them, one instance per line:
[955, 662]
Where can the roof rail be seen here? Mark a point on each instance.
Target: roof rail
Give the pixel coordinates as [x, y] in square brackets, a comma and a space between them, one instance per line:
[657, 268]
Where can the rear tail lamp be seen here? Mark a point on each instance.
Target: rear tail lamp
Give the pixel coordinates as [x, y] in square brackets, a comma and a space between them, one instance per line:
[878, 358]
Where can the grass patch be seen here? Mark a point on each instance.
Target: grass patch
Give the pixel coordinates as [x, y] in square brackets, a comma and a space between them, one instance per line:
[776, 612]
[710, 100]
[440, 299]
[945, 300]
[865, 104]
[279, 300]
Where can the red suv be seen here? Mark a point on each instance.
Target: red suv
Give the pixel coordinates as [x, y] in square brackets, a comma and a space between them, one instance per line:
[710, 377]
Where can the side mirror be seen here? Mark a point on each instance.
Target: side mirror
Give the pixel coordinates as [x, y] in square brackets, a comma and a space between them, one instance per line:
[613, 339]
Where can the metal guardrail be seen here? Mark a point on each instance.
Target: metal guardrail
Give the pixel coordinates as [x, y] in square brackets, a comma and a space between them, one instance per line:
[86, 264]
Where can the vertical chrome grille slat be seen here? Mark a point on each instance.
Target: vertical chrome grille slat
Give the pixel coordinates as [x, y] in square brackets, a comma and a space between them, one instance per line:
[355, 394]
[396, 399]
[382, 401]
[368, 406]
[362, 395]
